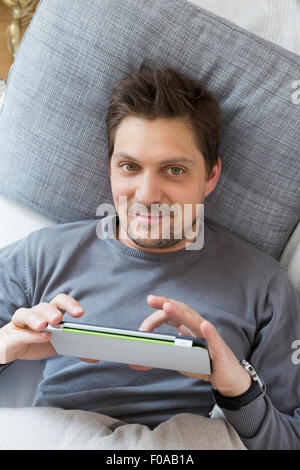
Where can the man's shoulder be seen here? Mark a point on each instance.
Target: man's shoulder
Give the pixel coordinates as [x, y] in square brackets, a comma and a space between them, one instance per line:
[240, 254]
[60, 234]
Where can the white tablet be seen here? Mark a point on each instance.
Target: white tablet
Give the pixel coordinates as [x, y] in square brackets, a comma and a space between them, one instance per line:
[184, 353]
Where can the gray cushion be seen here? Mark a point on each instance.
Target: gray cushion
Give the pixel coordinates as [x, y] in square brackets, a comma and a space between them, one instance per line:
[52, 125]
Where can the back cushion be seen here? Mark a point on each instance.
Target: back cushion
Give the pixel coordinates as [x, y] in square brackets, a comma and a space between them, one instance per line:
[53, 149]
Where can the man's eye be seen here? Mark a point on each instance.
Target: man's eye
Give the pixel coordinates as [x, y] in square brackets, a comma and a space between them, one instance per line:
[130, 165]
[176, 168]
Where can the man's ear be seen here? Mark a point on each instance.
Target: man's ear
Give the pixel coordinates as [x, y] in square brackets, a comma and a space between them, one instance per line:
[213, 178]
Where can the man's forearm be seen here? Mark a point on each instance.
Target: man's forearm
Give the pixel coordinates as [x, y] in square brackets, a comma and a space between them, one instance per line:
[262, 427]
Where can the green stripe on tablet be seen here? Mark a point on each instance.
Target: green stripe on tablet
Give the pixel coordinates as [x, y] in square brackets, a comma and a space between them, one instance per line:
[131, 338]
[108, 335]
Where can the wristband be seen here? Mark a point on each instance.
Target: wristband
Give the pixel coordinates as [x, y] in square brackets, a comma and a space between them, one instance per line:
[235, 403]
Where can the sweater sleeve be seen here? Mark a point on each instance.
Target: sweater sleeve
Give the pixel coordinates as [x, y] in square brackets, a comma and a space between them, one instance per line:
[272, 420]
[14, 288]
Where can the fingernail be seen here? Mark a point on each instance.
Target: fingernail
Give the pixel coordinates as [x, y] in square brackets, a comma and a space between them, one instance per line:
[77, 309]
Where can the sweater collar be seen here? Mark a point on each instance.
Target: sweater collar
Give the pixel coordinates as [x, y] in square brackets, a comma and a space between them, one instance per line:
[112, 220]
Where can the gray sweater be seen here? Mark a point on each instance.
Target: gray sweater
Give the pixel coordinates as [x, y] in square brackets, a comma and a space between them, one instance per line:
[244, 292]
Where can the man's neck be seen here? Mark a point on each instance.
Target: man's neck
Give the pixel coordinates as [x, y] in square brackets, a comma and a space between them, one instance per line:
[122, 237]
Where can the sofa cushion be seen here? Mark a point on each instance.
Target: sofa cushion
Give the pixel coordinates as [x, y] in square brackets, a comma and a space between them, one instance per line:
[53, 149]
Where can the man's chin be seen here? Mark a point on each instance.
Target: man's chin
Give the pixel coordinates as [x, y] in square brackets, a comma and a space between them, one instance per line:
[154, 244]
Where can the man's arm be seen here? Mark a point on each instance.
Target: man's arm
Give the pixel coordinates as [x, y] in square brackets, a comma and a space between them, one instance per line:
[13, 282]
[272, 421]
[28, 341]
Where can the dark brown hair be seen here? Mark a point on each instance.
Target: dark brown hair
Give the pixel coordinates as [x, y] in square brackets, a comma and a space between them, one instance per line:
[152, 93]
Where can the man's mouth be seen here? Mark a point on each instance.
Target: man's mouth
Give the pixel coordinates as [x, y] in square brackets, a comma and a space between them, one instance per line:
[145, 218]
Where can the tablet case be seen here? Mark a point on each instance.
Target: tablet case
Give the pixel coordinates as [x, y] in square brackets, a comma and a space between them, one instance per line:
[153, 350]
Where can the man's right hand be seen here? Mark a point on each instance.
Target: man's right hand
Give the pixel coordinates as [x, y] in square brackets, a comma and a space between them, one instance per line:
[30, 342]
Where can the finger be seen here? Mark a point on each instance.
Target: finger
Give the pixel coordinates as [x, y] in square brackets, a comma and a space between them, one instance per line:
[158, 318]
[27, 317]
[92, 361]
[216, 345]
[37, 317]
[27, 336]
[183, 315]
[154, 320]
[205, 377]
[159, 301]
[48, 313]
[156, 301]
[183, 330]
[135, 367]
[68, 304]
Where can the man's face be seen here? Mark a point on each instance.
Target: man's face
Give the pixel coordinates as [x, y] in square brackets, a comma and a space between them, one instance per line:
[157, 162]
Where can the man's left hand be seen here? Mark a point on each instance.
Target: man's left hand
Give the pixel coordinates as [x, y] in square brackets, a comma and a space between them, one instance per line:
[228, 376]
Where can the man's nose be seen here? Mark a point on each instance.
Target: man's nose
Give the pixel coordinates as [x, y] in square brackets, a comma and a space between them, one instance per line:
[149, 190]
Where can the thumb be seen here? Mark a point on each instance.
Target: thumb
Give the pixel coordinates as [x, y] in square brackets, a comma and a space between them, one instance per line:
[216, 345]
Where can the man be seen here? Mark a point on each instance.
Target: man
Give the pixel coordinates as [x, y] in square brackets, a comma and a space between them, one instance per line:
[228, 292]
